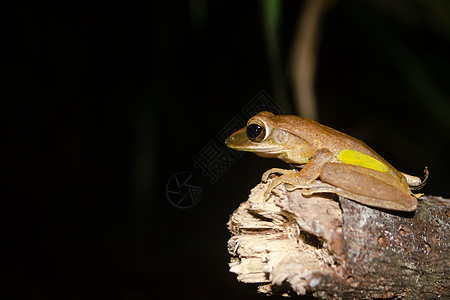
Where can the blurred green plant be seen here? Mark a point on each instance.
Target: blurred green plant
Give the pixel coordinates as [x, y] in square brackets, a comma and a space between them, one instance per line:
[271, 22]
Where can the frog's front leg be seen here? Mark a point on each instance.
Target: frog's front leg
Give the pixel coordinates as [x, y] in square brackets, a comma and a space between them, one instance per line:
[311, 171]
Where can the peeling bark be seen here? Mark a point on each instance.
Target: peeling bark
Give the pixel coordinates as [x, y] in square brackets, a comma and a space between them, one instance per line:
[332, 247]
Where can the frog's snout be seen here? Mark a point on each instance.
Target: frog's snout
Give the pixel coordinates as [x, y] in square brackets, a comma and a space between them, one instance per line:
[229, 141]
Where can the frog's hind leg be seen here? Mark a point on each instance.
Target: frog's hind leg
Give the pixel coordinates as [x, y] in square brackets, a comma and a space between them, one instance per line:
[358, 184]
[362, 199]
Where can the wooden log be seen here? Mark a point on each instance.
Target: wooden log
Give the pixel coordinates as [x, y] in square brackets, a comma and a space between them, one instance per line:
[332, 247]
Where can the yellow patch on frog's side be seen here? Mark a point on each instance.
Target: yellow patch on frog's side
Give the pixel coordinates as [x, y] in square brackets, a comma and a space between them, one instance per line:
[353, 157]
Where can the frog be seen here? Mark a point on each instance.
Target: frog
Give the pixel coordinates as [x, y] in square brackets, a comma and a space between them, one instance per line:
[325, 160]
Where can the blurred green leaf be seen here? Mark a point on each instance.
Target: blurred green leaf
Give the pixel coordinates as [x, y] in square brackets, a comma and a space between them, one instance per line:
[272, 19]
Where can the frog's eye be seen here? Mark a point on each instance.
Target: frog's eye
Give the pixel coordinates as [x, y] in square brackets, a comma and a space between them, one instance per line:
[256, 132]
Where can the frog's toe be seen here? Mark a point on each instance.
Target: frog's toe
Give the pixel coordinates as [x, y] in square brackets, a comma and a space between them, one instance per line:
[272, 185]
[265, 177]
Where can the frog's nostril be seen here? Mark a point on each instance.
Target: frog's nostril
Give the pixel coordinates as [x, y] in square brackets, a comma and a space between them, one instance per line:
[229, 140]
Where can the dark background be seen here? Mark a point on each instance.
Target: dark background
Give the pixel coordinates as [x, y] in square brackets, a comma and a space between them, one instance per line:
[104, 101]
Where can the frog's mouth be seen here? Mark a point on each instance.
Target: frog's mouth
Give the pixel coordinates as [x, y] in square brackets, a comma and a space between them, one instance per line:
[268, 154]
[259, 150]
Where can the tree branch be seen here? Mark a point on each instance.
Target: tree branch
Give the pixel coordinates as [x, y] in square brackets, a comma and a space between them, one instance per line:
[333, 247]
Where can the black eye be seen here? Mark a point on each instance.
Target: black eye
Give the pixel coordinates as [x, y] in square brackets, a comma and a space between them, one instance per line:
[255, 132]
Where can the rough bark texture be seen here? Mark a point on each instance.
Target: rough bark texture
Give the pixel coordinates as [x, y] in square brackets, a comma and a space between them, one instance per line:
[335, 248]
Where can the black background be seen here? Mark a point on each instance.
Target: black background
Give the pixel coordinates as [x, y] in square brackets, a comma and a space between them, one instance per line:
[104, 101]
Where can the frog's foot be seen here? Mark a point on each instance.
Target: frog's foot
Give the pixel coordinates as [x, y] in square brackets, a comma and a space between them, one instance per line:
[290, 178]
[267, 174]
[316, 186]
[276, 182]
[415, 183]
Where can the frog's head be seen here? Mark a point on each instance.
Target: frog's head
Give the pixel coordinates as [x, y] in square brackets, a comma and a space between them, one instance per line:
[266, 136]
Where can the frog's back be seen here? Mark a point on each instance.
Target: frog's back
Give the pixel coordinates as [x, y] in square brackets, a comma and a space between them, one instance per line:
[321, 136]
